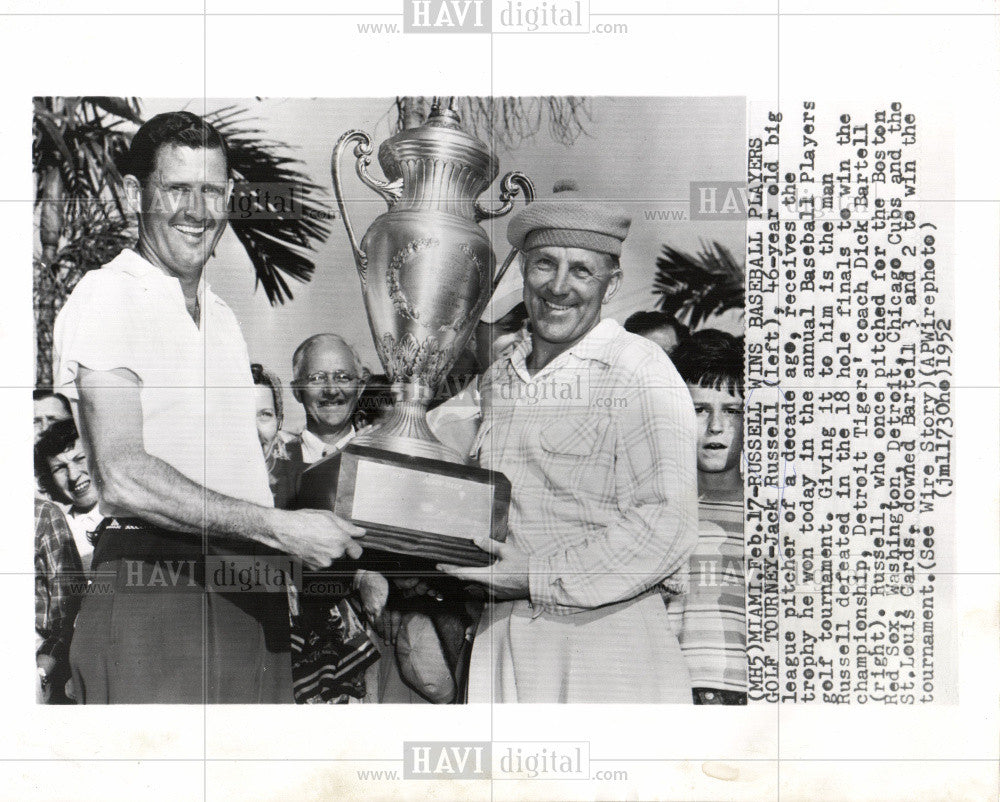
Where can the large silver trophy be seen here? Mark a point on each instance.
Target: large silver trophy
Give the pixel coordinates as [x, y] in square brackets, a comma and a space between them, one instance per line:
[426, 265]
[427, 273]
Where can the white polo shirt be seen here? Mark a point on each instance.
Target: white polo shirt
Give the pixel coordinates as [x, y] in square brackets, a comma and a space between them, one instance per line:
[196, 390]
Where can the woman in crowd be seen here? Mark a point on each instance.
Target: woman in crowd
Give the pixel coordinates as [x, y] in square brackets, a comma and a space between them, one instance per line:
[282, 471]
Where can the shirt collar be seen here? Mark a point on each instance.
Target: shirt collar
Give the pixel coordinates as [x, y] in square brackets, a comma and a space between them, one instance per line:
[593, 345]
[75, 514]
[132, 263]
[312, 445]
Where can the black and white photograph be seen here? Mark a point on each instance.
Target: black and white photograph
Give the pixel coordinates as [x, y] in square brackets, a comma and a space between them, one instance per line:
[459, 422]
[500, 400]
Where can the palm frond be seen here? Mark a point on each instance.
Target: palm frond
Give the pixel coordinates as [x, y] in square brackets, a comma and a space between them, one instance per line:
[82, 137]
[698, 286]
[124, 107]
[100, 239]
[276, 212]
[506, 122]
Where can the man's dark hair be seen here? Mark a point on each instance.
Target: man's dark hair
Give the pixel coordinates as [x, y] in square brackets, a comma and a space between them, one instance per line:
[41, 393]
[642, 323]
[711, 358]
[57, 438]
[170, 128]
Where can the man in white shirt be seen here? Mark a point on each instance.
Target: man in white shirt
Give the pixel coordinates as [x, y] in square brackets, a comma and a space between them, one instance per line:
[158, 372]
[61, 468]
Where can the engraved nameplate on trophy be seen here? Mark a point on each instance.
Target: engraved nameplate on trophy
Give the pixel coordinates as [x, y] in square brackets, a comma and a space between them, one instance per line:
[420, 507]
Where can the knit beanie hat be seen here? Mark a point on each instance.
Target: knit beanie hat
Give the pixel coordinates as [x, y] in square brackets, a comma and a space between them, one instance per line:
[570, 220]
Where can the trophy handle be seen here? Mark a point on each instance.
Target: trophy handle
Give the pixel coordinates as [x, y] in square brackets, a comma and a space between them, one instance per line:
[390, 192]
[511, 185]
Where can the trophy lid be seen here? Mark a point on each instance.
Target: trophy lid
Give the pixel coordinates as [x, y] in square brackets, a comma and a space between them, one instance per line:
[445, 117]
[440, 139]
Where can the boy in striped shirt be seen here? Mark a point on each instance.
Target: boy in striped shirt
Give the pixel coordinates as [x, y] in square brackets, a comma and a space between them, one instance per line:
[711, 619]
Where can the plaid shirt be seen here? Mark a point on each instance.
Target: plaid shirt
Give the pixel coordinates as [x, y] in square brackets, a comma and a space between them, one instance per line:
[599, 447]
[58, 573]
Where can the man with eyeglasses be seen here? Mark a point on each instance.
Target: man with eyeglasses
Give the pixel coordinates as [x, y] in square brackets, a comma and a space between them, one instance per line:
[157, 369]
[331, 649]
[328, 380]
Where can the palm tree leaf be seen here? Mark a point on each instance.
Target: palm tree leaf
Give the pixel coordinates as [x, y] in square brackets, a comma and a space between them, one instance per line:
[126, 108]
[55, 136]
[506, 122]
[698, 286]
[276, 212]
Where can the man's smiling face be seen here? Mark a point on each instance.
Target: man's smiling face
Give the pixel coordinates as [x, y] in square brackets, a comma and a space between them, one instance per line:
[328, 386]
[564, 289]
[183, 208]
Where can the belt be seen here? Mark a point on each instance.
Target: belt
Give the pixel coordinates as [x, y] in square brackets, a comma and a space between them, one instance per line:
[136, 539]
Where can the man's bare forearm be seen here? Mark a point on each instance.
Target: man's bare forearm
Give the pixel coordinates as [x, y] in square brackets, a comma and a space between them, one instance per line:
[131, 481]
[137, 483]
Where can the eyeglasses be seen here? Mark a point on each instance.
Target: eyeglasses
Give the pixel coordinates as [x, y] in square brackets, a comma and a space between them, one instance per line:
[338, 378]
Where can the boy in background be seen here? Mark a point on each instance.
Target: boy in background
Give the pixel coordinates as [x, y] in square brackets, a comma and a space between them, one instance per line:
[711, 619]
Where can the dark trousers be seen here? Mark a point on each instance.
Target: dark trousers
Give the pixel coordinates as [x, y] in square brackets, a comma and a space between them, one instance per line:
[149, 632]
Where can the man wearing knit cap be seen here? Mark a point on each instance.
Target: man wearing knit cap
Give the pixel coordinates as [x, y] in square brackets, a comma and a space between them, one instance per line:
[596, 432]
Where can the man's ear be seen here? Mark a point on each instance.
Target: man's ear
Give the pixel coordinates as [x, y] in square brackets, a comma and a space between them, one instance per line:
[613, 284]
[296, 393]
[133, 193]
[523, 259]
[363, 379]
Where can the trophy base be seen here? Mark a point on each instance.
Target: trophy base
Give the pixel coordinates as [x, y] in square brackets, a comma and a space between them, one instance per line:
[422, 508]
[405, 429]
[411, 446]
[417, 499]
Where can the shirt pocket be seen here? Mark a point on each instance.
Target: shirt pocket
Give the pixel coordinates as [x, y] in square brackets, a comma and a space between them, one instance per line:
[572, 438]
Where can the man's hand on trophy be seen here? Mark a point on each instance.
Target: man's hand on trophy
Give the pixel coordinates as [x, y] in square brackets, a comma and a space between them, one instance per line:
[373, 589]
[506, 579]
[318, 537]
